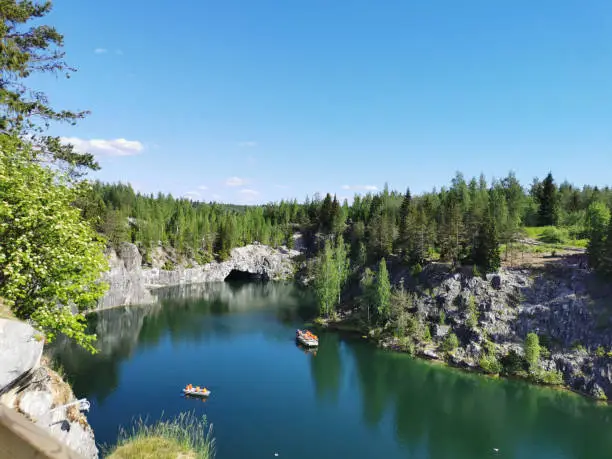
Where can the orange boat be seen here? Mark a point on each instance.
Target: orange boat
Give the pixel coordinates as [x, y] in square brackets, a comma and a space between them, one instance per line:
[307, 338]
[196, 391]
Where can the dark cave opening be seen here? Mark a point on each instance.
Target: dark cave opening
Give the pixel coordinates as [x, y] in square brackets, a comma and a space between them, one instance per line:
[236, 275]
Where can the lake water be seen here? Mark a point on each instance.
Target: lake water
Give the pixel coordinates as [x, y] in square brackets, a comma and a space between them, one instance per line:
[350, 400]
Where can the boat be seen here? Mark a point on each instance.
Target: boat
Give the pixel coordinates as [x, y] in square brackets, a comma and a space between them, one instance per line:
[306, 338]
[196, 391]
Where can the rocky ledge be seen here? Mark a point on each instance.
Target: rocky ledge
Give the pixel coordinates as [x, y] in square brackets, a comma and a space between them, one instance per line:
[30, 387]
[130, 283]
[564, 304]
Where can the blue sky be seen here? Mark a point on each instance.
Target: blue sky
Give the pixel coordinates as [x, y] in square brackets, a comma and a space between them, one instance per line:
[256, 100]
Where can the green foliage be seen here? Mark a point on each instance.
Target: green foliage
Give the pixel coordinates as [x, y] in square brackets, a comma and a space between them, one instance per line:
[401, 301]
[513, 363]
[50, 258]
[383, 291]
[488, 360]
[600, 351]
[486, 246]
[553, 235]
[426, 333]
[331, 272]
[168, 265]
[490, 364]
[416, 270]
[28, 48]
[597, 221]
[546, 194]
[442, 319]
[551, 377]
[532, 351]
[450, 343]
[472, 313]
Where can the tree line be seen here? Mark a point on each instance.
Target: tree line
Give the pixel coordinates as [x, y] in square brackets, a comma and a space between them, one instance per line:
[53, 234]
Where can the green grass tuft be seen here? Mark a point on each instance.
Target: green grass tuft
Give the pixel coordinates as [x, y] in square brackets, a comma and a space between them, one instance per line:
[185, 436]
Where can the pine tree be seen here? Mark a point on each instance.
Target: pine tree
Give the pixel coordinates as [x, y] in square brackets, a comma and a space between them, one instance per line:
[486, 251]
[605, 262]
[532, 351]
[383, 291]
[597, 219]
[403, 215]
[548, 212]
[326, 280]
[26, 51]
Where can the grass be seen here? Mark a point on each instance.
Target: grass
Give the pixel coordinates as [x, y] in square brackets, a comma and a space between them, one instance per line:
[185, 437]
[555, 236]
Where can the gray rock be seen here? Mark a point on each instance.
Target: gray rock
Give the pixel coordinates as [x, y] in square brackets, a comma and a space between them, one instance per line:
[496, 282]
[20, 351]
[597, 392]
[440, 331]
[36, 404]
[130, 283]
[558, 304]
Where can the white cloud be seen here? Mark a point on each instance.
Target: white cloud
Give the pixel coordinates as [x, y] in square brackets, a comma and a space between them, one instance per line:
[360, 187]
[203, 187]
[193, 195]
[247, 143]
[101, 147]
[235, 181]
[100, 50]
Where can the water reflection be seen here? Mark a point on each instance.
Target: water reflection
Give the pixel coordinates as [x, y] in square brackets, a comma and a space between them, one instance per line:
[457, 415]
[398, 403]
[184, 313]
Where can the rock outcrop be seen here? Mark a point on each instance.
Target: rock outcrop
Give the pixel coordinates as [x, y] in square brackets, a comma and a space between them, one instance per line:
[20, 351]
[39, 392]
[130, 283]
[564, 305]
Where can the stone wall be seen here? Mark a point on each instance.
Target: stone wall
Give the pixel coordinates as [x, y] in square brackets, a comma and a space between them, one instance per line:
[130, 283]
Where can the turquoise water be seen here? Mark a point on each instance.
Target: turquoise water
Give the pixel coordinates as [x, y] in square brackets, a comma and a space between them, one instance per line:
[350, 400]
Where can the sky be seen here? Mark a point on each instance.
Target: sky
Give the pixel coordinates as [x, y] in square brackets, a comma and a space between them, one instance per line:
[256, 100]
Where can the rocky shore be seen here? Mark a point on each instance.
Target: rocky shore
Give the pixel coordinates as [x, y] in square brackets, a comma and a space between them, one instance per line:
[563, 303]
[29, 386]
[132, 283]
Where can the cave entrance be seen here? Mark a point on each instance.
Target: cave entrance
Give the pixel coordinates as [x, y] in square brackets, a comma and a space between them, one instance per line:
[236, 275]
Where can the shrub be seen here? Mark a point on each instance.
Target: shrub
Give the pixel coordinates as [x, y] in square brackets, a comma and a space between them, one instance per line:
[472, 313]
[450, 343]
[426, 333]
[416, 270]
[600, 352]
[490, 364]
[550, 377]
[532, 351]
[513, 363]
[168, 265]
[553, 235]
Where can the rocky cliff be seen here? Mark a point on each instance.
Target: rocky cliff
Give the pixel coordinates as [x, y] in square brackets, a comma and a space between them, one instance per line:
[32, 388]
[564, 304]
[130, 283]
